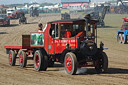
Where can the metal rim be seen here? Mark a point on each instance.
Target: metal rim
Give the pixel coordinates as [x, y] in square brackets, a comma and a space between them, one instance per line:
[36, 61]
[21, 58]
[119, 38]
[10, 57]
[69, 63]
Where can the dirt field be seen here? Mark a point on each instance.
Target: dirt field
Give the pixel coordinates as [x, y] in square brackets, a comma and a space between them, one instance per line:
[117, 53]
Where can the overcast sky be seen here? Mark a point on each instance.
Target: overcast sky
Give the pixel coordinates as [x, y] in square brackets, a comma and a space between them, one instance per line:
[39, 1]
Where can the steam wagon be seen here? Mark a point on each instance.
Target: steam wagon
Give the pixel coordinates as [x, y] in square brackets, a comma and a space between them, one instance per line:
[71, 42]
[4, 20]
[122, 35]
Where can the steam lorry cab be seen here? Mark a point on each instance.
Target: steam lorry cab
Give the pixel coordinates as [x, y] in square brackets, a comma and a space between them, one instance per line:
[122, 35]
[71, 42]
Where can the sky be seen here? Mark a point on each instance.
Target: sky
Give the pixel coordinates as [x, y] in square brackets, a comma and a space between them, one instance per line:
[5, 2]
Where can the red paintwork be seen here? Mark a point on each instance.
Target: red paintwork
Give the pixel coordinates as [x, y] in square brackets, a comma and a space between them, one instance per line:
[65, 5]
[125, 19]
[69, 63]
[21, 58]
[57, 45]
[17, 47]
[10, 58]
[36, 60]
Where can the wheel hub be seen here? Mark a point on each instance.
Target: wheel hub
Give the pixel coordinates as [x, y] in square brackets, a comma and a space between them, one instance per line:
[37, 61]
[21, 59]
[68, 63]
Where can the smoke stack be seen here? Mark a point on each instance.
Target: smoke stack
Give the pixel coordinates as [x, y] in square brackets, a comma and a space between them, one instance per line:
[87, 22]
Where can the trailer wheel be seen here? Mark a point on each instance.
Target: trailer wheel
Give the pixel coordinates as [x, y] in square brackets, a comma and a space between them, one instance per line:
[40, 61]
[102, 64]
[119, 38]
[22, 59]
[70, 63]
[12, 58]
[124, 40]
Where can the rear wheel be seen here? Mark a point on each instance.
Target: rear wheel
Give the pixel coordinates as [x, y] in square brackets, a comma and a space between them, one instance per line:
[70, 63]
[102, 64]
[40, 61]
[119, 38]
[124, 40]
[22, 59]
[12, 58]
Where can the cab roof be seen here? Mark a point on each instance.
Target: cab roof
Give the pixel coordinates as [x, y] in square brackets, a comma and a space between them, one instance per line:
[71, 21]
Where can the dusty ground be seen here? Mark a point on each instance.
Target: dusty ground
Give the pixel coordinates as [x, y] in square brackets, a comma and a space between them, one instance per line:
[117, 53]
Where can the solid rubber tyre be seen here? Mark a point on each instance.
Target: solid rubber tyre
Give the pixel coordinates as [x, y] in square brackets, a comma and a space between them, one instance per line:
[40, 61]
[102, 64]
[22, 59]
[12, 58]
[124, 40]
[70, 63]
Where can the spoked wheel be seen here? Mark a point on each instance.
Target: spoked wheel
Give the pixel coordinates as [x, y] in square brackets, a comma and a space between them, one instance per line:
[40, 61]
[102, 64]
[120, 38]
[22, 59]
[70, 63]
[124, 40]
[12, 58]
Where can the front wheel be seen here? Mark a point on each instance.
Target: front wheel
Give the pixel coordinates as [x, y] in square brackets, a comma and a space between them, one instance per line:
[119, 38]
[102, 63]
[40, 61]
[70, 63]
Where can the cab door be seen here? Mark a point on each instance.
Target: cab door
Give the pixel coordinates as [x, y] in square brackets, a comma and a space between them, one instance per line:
[53, 40]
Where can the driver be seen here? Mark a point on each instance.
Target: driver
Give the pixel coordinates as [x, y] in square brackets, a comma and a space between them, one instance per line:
[67, 34]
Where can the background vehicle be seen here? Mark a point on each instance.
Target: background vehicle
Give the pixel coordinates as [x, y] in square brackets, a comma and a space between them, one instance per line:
[34, 12]
[22, 18]
[4, 20]
[122, 35]
[13, 14]
[72, 42]
[65, 14]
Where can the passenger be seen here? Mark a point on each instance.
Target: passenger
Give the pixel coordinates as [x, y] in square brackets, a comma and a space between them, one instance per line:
[40, 26]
